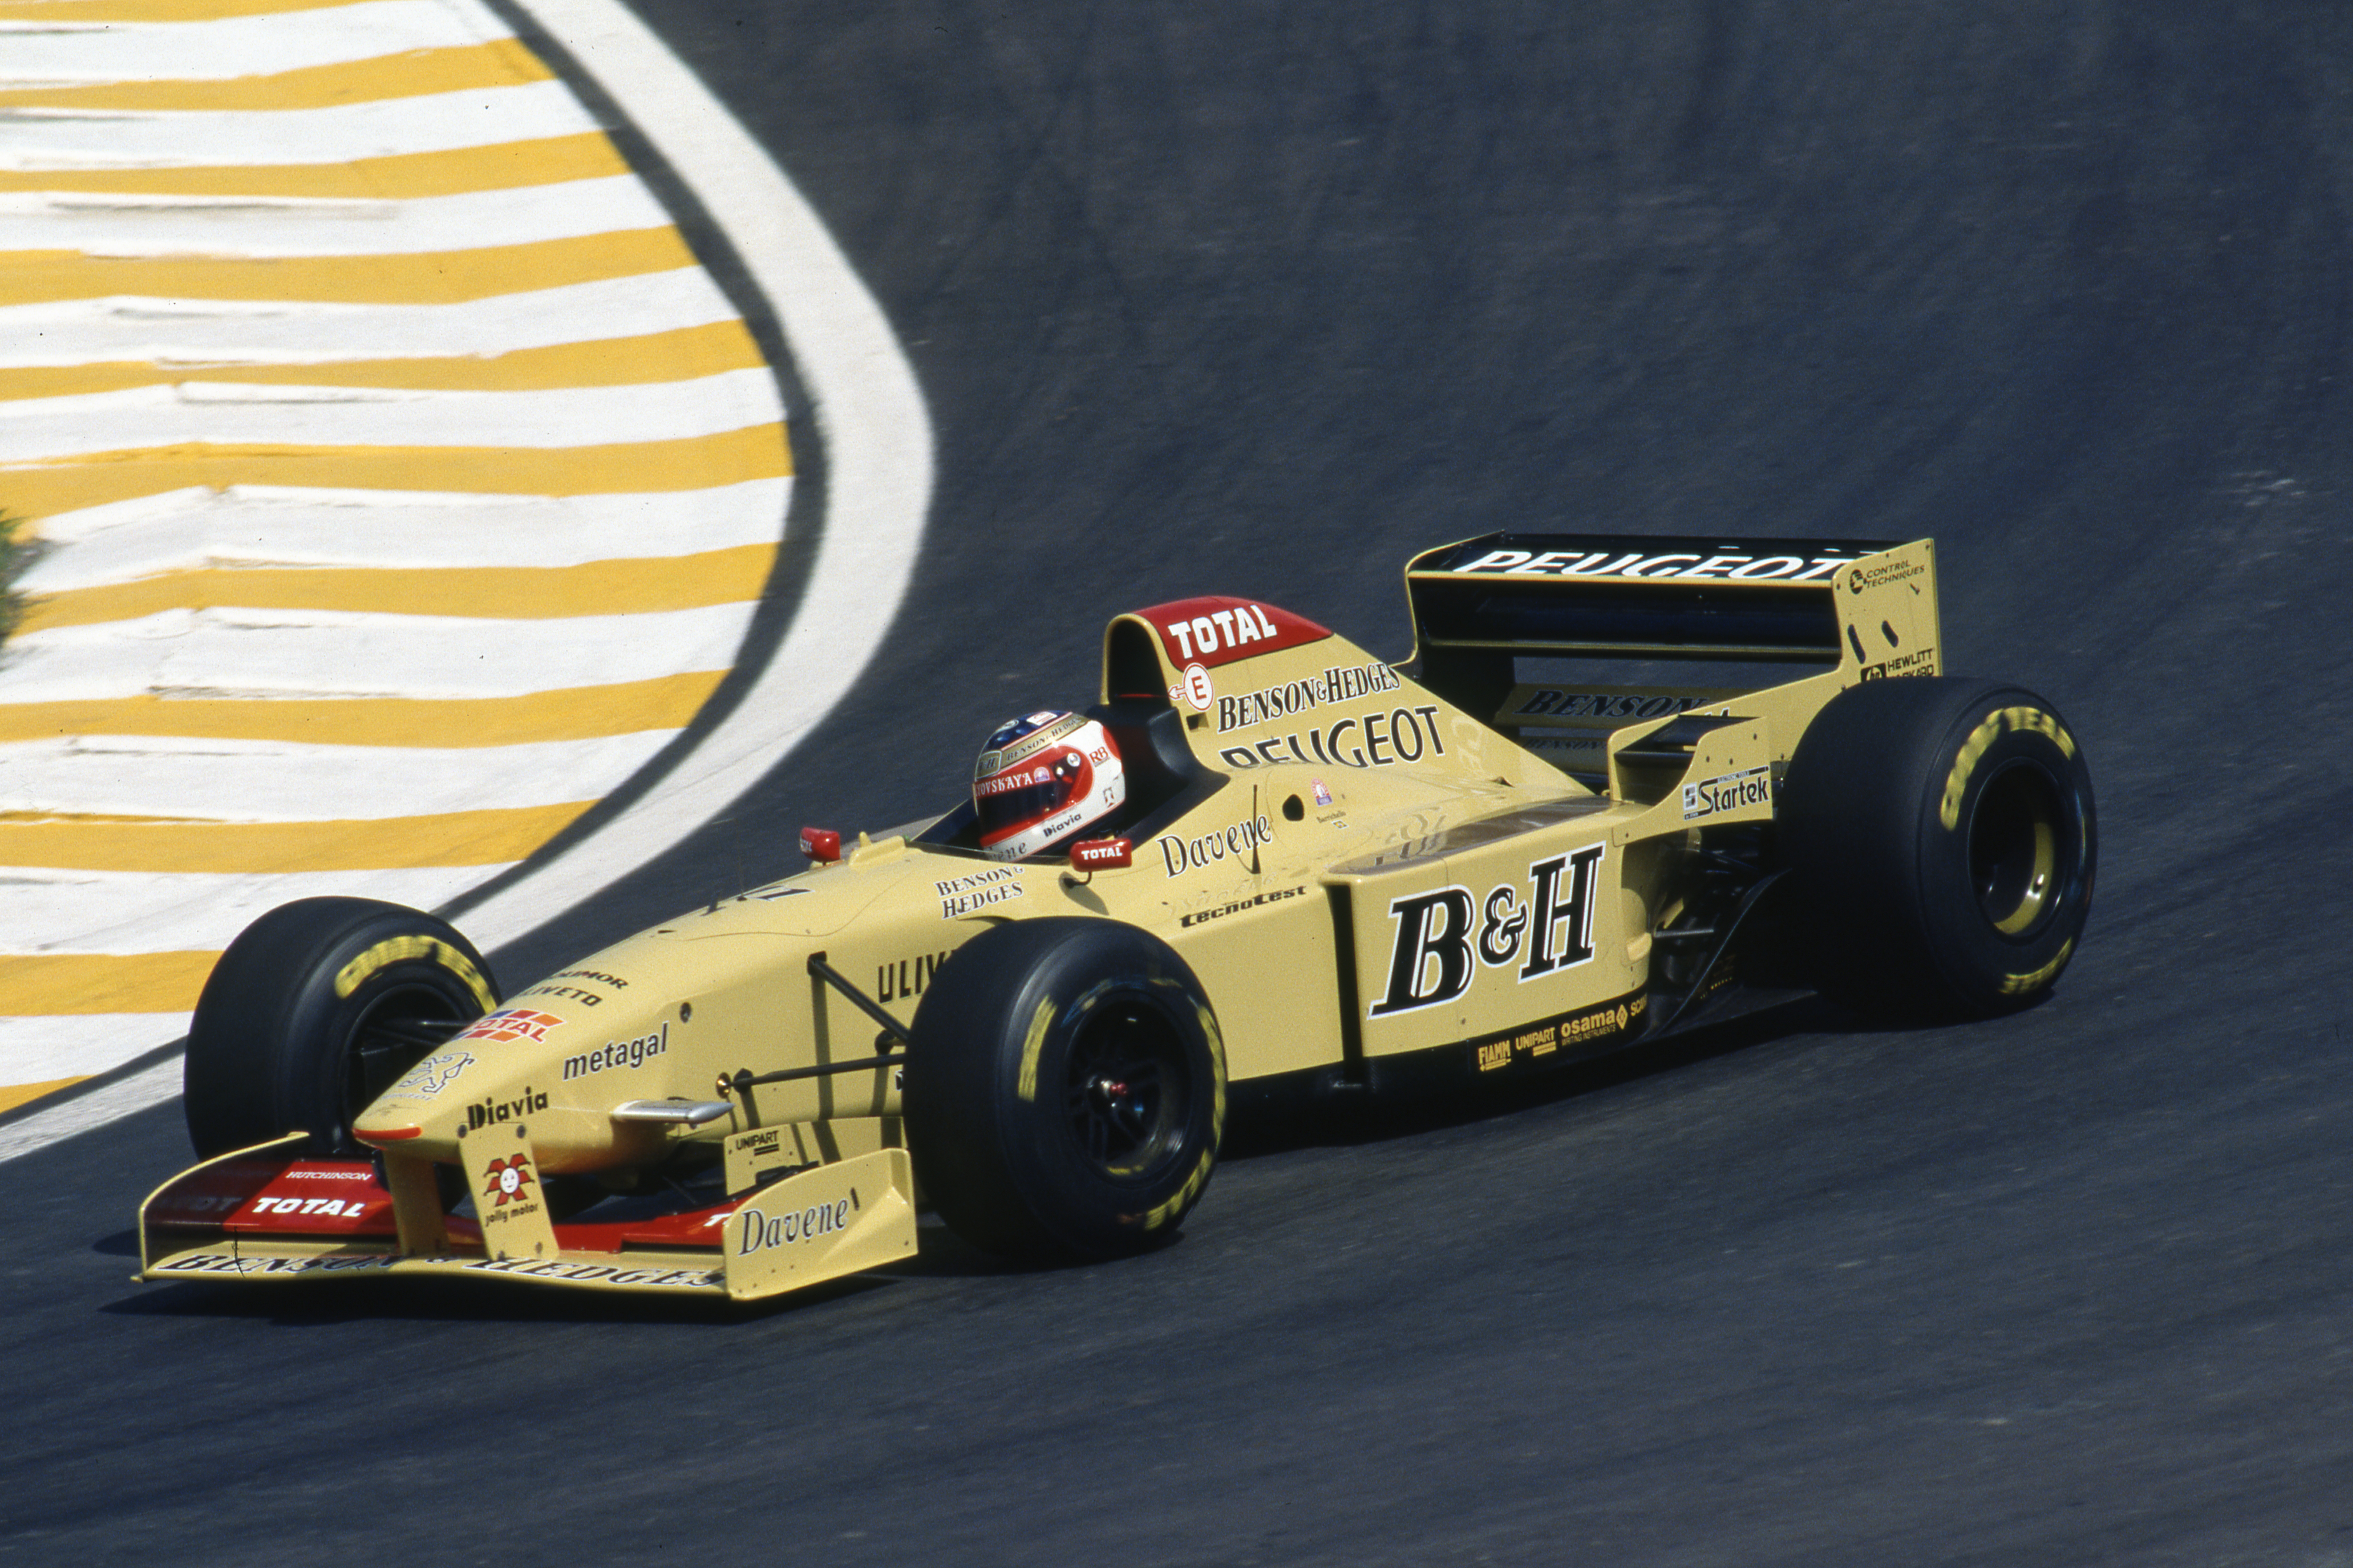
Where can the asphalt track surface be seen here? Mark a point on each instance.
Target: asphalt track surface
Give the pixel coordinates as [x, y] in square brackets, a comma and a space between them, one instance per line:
[1251, 298]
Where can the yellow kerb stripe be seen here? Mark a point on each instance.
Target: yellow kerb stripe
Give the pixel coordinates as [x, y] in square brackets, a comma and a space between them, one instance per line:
[500, 166]
[433, 277]
[503, 62]
[103, 982]
[691, 463]
[152, 10]
[624, 588]
[682, 356]
[14, 1095]
[489, 838]
[575, 713]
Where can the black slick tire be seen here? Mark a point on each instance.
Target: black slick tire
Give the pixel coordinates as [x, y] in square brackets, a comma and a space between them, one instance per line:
[1066, 1090]
[1943, 842]
[313, 1011]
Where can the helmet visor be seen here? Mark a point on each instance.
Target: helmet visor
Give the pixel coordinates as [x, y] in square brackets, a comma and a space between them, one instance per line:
[1024, 795]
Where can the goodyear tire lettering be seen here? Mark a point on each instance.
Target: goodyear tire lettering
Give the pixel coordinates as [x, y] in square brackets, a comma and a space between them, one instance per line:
[2034, 980]
[1217, 1053]
[1031, 1044]
[1957, 782]
[1943, 839]
[1981, 740]
[1160, 1214]
[406, 949]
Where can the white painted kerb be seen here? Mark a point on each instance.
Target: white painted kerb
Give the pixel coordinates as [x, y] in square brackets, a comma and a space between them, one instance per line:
[878, 446]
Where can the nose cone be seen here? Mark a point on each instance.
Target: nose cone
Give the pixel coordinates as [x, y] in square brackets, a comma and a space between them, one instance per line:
[543, 1063]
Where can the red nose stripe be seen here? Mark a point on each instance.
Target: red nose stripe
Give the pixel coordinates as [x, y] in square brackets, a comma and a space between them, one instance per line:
[389, 1135]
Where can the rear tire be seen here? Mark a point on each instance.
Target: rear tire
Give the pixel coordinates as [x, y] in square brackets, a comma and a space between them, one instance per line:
[1066, 1090]
[1943, 842]
[313, 1011]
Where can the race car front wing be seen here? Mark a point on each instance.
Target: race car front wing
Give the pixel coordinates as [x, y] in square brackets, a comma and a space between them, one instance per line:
[268, 1212]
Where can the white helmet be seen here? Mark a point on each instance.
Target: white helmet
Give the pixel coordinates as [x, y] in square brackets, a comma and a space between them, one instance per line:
[1042, 779]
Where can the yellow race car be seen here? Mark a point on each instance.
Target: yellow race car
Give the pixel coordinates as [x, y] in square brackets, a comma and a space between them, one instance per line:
[1264, 858]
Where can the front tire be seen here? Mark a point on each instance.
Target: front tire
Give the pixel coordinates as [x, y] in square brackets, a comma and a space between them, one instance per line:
[1943, 840]
[313, 1011]
[1066, 1090]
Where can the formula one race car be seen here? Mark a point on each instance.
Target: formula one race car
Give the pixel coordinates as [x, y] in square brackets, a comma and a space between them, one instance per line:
[1329, 873]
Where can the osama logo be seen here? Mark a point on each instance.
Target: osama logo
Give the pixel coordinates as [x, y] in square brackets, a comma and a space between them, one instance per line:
[506, 1179]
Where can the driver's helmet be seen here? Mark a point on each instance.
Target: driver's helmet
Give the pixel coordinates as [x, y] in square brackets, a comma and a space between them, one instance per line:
[1041, 779]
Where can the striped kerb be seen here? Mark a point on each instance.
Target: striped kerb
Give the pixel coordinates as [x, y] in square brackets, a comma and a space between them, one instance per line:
[403, 484]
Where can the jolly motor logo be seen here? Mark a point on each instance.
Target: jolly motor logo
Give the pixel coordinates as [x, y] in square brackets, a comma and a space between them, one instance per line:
[506, 1180]
[1445, 937]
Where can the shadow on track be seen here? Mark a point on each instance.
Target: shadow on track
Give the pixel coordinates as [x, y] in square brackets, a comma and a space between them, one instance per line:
[323, 1302]
[1284, 1122]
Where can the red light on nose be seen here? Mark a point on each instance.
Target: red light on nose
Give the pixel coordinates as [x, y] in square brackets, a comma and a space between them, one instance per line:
[821, 844]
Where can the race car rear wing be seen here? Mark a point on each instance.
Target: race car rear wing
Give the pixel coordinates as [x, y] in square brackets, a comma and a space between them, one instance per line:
[1479, 604]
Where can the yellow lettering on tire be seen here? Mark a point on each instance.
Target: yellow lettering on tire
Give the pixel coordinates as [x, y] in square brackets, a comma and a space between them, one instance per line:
[2034, 980]
[405, 949]
[1161, 1214]
[1030, 1045]
[1216, 1069]
[1981, 740]
[1948, 810]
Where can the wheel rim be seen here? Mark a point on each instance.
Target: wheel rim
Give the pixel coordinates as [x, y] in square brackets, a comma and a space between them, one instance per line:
[393, 1033]
[2016, 832]
[1127, 1092]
